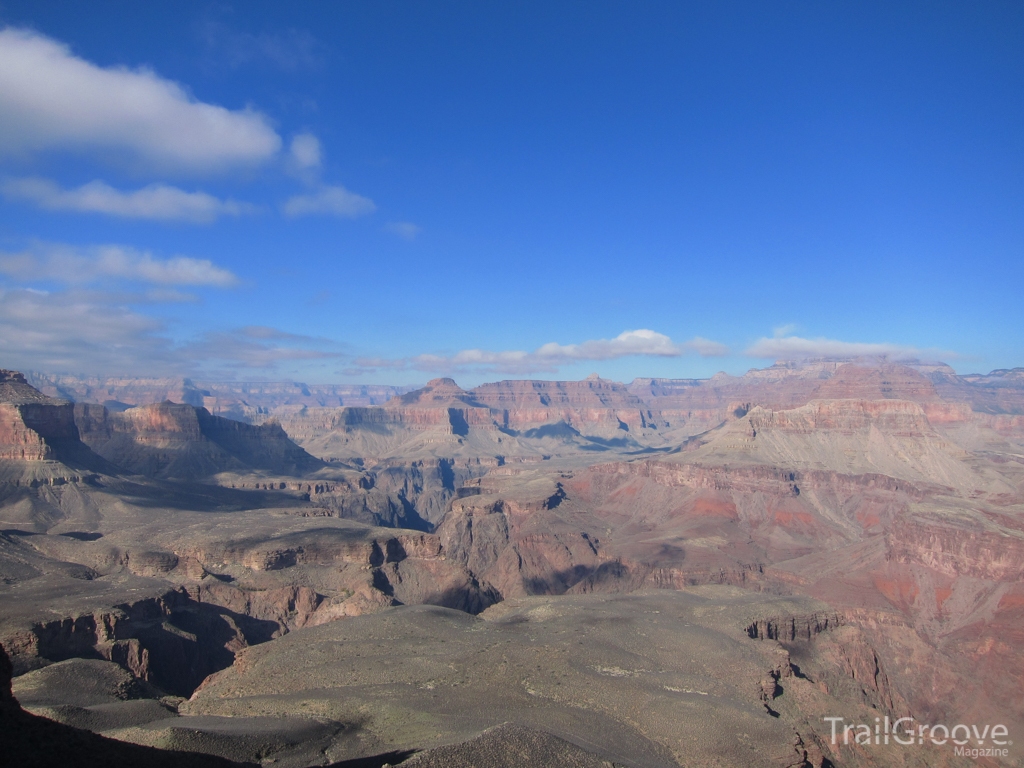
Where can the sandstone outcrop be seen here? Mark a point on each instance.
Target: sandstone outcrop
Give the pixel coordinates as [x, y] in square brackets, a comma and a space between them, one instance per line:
[509, 422]
[913, 540]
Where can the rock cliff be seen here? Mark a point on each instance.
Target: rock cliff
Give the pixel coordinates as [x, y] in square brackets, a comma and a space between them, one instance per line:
[176, 440]
[586, 405]
[39, 440]
[33, 427]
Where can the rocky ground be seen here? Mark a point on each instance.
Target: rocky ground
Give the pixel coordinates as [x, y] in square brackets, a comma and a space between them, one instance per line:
[572, 573]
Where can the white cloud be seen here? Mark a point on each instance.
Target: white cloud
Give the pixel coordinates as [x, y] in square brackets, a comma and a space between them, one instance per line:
[52, 99]
[330, 200]
[69, 264]
[642, 342]
[96, 333]
[404, 229]
[157, 201]
[550, 357]
[305, 151]
[797, 348]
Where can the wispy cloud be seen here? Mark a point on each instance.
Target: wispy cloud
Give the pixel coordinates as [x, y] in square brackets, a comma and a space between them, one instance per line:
[783, 347]
[52, 99]
[73, 332]
[706, 347]
[549, 357]
[641, 342]
[329, 200]
[257, 347]
[81, 331]
[156, 201]
[305, 151]
[74, 265]
[404, 229]
[290, 50]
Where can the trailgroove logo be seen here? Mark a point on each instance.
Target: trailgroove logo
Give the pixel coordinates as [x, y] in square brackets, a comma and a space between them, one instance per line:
[966, 740]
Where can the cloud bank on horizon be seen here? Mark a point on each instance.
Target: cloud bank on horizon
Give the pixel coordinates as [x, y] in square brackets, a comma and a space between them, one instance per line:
[782, 347]
[92, 324]
[548, 358]
[98, 333]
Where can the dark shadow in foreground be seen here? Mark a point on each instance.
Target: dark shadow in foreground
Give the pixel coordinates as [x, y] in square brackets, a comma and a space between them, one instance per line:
[377, 761]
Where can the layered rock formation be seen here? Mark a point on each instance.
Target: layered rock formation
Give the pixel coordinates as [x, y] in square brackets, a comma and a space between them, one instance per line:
[999, 392]
[175, 440]
[695, 405]
[915, 542]
[230, 584]
[587, 406]
[887, 437]
[169, 580]
[886, 502]
[431, 441]
[39, 440]
[33, 427]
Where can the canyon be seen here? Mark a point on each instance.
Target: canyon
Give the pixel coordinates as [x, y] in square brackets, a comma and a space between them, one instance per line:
[597, 571]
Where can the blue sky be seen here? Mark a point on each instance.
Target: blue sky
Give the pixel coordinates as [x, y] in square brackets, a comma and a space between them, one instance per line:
[387, 192]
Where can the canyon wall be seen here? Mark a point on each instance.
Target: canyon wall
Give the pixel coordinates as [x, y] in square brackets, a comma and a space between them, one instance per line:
[177, 440]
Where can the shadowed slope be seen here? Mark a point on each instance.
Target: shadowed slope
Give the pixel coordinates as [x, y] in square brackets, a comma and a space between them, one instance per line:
[35, 742]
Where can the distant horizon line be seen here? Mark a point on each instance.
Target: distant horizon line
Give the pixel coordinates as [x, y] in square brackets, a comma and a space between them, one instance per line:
[195, 381]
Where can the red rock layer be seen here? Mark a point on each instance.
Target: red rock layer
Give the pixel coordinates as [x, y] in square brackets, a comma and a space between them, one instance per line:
[894, 417]
[577, 403]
